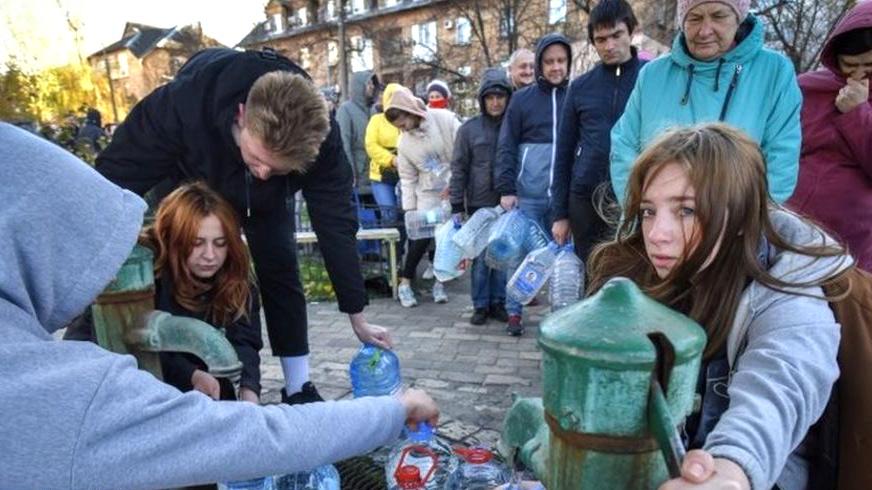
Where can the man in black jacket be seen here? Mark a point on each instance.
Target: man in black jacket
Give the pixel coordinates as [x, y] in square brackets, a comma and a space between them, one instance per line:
[229, 116]
[472, 186]
[594, 103]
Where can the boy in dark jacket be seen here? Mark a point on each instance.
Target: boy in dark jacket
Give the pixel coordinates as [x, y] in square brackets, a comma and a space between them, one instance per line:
[472, 186]
[594, 103]
[525, 153]
[229, 116]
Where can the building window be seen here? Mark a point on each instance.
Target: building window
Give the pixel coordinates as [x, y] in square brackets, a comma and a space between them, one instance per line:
[465, 70]
[556, 11]
[361, 57]
[391, 46]
[276, 23]
[358, 6]
[464, 31]
[391, 3]
[118, 67]
[302, 16]
[331, 9]
[332, 53]
[424, 45]
[507, 22]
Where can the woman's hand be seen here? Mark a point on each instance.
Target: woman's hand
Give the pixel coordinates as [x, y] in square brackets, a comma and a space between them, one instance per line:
[854, 93]
[419, 407]
[206, 383]
[370, 334]
[248, 395]
[701, 471]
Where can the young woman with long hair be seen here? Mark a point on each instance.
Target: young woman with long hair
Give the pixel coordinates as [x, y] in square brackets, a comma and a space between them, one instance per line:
[202, 270]
[702, 235]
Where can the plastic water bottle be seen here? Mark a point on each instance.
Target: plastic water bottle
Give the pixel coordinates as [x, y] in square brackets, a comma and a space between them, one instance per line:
[477, 471]
[506, 244]
[321, 478]
[532, 274]
[253, 484]
[475, 233]
[536, 237]
[441, 172]
[422, 223]
[566, 282]
[446, 261]
[374, 372]
[420, 461]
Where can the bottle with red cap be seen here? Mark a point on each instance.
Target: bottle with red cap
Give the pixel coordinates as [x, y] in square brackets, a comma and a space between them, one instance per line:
[478, 470]
[420, 462]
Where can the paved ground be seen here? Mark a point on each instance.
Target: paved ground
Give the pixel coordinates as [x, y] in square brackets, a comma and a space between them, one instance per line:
[471, 371]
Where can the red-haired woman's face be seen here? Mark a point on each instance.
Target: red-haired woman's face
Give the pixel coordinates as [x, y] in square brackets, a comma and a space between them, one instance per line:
[210, 249]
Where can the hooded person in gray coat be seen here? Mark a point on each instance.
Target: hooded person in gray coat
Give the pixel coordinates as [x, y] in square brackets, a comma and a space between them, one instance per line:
[353, 116]
[78, 416]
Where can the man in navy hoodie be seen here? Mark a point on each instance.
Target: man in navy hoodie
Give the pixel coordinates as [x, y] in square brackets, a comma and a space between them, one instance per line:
[524, 170]
[594, 103]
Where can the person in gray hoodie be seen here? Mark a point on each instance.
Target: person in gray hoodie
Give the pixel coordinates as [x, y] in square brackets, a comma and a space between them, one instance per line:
[78, 416]
[353, 116]
[704, 237]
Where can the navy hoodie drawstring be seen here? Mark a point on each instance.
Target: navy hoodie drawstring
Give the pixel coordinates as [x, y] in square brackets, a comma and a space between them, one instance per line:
[684, 99]
[247, 193]
[718, 75]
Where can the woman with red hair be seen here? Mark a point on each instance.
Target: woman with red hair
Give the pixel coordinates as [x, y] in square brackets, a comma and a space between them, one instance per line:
[202, 270]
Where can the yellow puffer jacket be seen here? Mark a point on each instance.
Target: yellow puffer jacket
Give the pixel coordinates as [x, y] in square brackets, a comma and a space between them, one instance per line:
[381, 139]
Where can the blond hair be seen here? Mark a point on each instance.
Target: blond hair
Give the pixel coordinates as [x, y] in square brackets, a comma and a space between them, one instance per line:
[288, 115]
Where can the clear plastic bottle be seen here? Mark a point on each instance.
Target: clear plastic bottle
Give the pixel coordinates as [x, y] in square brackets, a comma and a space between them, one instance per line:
[475, 233]
[374, 372]
[441, 172]
[321, 478]
[253, 484]
[446, 260]
[422, 223]
[532, 274]
[567, 279]
[506, 245]
[477, 471]
[433, 459]
[536, 238]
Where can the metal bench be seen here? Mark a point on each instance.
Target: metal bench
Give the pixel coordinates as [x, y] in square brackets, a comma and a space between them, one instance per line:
[389, 235]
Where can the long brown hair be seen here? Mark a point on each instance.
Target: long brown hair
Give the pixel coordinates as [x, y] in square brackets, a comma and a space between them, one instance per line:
[222, 299]
[726, 169]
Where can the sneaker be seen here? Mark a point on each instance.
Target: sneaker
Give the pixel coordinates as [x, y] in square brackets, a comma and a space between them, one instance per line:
[479, 316]
[439, 295]
[406, 296]
[514, 327]
[498, 312]
[309, 394]
[428, 272]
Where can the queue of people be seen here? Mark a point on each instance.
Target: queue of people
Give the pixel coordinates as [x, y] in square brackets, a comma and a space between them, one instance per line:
[695, 153]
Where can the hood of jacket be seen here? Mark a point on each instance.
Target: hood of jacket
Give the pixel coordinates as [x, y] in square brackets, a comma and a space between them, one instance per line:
[357, 89]
[388, 93]
[544, 43]
[493, 78]
[830, 78]
[64, 233]
[746, 49]
[404, 100]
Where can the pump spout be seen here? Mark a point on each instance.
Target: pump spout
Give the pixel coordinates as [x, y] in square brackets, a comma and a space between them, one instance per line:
[162, 332]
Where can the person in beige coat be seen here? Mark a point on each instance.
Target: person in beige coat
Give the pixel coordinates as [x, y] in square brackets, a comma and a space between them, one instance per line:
[423, 161]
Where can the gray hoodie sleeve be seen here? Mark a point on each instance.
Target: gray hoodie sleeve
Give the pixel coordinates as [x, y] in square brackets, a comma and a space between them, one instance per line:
[780, 386]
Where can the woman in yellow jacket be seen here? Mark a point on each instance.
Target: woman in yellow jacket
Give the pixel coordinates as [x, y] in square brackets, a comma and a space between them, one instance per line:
[381, 147]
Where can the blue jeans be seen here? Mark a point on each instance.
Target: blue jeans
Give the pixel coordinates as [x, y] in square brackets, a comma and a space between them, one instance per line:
[386, 197]
[538, 211]
[488, 285]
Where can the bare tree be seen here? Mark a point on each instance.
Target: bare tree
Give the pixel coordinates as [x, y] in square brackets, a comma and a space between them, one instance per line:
[799, 28]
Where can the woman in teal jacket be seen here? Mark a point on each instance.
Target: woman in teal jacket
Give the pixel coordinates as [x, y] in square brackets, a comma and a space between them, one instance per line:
[718, 70]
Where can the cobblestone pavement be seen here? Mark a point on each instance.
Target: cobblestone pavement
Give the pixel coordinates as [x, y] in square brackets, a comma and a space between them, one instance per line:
[470, 370]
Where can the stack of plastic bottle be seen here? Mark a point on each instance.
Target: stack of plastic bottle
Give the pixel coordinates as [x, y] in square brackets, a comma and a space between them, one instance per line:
[422, 223]
[474, 235]
[532, 274]
[446, 261]
[567, 278]
[374, 372]
[321, 478]
[477, 471]
[421, 461]
[508, 240]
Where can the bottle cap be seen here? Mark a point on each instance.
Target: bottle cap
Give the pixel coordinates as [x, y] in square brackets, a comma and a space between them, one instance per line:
[424, 432]
[476, 455]
[408, 476]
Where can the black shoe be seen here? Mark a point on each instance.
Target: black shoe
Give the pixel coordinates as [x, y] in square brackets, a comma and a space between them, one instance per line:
[498, 313]
[479, 316]
[514, 327]
[308, 395]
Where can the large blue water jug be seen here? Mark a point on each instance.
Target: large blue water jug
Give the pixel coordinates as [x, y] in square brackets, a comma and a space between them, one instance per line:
[532, 274]
[374, 372]
[448, 256]
[507, 244]
[253, 484]
[321, 478]
[420, 461]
